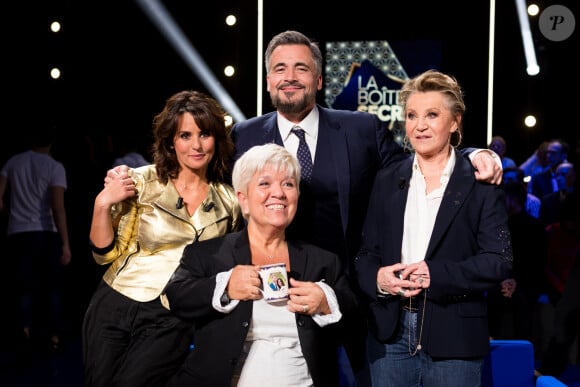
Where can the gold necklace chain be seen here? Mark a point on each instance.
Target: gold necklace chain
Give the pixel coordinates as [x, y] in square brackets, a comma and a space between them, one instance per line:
[418, 347]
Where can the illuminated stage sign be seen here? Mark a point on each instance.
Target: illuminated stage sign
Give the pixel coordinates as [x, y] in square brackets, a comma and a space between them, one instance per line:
[367, 76]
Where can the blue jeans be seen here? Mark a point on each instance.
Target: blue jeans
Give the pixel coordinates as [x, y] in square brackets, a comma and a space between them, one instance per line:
[395, 365]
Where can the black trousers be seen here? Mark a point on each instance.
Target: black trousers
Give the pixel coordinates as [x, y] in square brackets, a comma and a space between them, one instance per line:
[40, 281]
[129, 343]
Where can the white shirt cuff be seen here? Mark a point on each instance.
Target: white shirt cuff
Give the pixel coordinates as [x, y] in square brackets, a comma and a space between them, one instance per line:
[335, 314]
[221, 282]
[492, 154]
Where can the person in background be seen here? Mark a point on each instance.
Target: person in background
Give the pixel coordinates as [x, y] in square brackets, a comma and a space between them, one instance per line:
[512, 304]
[242, 340]
[516, 175]
[346, 149]
[545, 182]
[537, 162]
[567, 312]
[434, 242]
[563, 238]
[499, 146]
[37, 236]
[128, 153]
[142, 220]
[565, 175]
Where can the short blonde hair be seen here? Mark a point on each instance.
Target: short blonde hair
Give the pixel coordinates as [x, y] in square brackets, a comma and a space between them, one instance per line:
[257, 158]
[433, 80]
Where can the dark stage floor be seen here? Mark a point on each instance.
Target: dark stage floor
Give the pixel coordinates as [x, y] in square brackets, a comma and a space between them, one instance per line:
[42, 367]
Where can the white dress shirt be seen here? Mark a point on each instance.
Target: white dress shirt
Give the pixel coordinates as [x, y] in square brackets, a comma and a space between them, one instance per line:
[272, 352]
[421, 211]
[310, 126]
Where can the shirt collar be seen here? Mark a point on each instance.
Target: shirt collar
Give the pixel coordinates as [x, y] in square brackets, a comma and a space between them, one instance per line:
[309, 124]
[446, 171]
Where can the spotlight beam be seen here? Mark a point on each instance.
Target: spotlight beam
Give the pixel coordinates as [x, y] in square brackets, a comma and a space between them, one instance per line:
[165, 23]
[490, 67]
[530, 52]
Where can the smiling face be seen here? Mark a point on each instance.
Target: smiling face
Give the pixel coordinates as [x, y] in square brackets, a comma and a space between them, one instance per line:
[429, 123]
[293, 80]
[194, 147]
[271, 198]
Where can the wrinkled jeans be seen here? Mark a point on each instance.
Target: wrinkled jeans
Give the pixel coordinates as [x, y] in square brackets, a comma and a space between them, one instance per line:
[394, 365]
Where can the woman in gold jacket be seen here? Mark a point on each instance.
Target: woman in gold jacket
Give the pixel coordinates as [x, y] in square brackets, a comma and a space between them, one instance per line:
[142, 220]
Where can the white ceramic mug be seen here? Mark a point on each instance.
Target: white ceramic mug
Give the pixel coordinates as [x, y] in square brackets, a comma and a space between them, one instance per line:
[274, 282]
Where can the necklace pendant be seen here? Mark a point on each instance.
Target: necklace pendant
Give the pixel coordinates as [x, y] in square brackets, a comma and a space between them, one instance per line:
[419, 347]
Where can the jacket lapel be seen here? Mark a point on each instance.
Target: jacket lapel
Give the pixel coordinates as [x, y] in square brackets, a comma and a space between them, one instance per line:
[298, 257]
[241, 253]
[330, 131]
[395, 211]
[211, 210]
[271, 132]
[167, 200]
[460, 184]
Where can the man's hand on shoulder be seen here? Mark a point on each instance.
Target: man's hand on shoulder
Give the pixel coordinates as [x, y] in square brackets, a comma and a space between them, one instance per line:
[487, 166]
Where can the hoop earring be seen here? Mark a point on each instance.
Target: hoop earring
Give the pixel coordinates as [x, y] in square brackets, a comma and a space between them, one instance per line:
[455, 138]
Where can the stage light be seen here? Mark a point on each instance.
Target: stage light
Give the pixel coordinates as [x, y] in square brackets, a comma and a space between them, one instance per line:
[55, 26]
[530, 121]
[55, 73]
[229, 71]
[163, 20]
[229, 120]
[533, 9]
[529, 50]
[231, 20]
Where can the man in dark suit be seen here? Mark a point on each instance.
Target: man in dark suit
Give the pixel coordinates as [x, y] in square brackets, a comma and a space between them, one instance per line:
[347, 148]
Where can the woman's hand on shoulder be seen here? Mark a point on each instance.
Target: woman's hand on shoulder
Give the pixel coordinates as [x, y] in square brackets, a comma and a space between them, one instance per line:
[118, 187]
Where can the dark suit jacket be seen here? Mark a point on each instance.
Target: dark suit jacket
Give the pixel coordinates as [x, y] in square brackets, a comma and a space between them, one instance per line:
[469, 252]
[351, 148]
[219, 337]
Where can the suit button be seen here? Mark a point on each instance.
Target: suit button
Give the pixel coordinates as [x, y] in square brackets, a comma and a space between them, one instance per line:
[245, 324]
[300, 322]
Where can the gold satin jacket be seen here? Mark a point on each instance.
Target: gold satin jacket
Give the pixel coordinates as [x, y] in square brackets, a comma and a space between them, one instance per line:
[151, 233]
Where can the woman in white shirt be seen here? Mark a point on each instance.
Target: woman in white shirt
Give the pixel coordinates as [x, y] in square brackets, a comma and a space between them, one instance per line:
[240, 339]
[434, 241]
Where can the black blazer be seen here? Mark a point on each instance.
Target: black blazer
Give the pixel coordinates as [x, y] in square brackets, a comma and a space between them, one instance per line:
[219, 337]
[469, 252]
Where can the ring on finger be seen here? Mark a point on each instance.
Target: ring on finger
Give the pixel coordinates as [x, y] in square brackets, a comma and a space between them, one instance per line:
[304, 308]
[401, 293]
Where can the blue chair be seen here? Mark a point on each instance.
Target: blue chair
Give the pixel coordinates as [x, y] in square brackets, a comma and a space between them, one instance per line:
[549, 381]
[510, 363]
